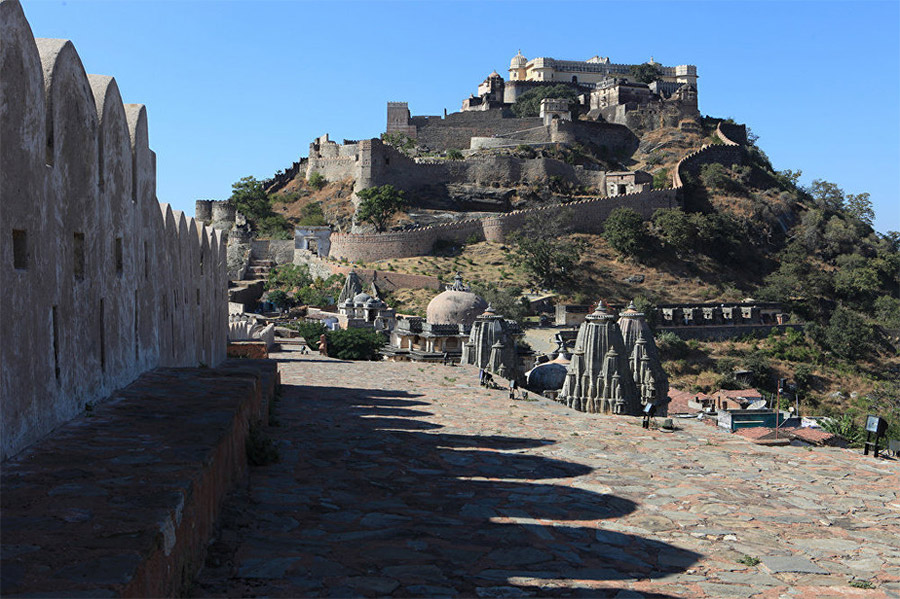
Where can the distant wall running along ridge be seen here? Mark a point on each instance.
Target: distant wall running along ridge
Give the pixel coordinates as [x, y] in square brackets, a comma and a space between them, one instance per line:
[100, 281]
[586, 216]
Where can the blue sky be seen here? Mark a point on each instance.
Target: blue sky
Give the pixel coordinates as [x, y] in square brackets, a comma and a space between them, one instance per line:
[241, 88]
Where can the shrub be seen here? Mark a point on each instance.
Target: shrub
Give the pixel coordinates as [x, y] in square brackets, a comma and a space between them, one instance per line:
[310, 331]
[661, 179]
[847, 335]
[355, 344]
[312, 215]
[288, 277]
[714, 176]
[280, 299]
[624, 231]
[316, 180]
[529, 103]
[454, 154]
[671, 346]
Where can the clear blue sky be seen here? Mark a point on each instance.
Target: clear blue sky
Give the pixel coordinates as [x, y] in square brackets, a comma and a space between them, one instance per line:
[241, 88]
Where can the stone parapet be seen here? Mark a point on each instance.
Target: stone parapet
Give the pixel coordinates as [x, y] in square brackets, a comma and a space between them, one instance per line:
[123, 500]
[101, 282]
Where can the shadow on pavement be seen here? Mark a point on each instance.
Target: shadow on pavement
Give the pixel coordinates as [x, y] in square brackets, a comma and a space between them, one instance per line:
[370, 501]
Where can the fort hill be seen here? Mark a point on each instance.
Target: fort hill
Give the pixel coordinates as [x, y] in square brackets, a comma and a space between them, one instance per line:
[573, 141]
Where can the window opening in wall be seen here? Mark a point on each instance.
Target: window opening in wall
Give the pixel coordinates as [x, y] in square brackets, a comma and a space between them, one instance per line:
[78, 267]
[622, 190]
[102, 336]
[201, 264]
[198, 296]
[54, 326]
[146, 260]
[20, 249]
[120, 259]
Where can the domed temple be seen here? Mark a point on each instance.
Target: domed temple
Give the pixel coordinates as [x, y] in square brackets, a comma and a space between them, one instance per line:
[440, 335]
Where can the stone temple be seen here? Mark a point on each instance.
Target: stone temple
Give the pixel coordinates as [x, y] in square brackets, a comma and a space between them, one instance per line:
[440, 335]
[614, 371]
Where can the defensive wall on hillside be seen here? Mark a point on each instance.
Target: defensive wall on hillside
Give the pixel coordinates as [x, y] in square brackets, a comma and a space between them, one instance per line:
[585, 216]
[730, 151]
[100, 282]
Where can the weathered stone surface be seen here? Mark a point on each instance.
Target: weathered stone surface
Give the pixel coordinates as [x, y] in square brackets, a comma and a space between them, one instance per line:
[534, 498]
[783, 563]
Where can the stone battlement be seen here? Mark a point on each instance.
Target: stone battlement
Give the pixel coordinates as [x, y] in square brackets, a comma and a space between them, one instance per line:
[101, 282]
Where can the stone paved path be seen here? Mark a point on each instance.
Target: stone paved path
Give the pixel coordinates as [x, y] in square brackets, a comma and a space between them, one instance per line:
[400, 479]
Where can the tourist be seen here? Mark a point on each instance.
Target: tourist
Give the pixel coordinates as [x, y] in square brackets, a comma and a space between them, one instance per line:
[323, 345]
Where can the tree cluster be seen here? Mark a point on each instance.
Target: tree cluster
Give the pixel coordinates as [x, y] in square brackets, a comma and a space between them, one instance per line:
[529, 103]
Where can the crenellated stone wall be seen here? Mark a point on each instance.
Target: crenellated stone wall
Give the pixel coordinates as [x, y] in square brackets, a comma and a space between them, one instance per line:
[728, 152]
[587, 216]
[100, 282]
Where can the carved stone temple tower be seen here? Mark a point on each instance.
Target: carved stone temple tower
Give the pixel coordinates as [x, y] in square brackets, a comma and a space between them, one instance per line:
[492, 346]
[599, 379]
[643, 359]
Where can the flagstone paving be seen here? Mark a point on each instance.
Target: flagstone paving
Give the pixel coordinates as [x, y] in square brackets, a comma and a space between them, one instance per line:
[403, 479]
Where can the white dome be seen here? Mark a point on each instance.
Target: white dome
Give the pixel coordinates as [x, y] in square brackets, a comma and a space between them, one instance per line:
[518, 61]
[455, 307]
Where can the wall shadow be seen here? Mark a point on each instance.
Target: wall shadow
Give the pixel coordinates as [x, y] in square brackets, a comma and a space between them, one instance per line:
[380, 502]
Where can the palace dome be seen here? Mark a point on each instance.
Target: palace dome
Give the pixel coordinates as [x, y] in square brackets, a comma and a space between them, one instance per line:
[456, 305]
[518, 61]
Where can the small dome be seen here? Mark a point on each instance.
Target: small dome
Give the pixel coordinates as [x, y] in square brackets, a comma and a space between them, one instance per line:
[455, 307]
[361, 298]
[494, 75]
[548, 376]
[518, 61]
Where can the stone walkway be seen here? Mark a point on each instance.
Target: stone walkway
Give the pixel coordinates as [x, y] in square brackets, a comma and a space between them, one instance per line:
[401, 479]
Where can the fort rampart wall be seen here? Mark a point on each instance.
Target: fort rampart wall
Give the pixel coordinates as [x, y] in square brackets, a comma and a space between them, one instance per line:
[586, 216]
[100, 282]
[728, 152]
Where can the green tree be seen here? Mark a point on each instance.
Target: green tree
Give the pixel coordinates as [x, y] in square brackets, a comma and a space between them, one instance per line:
[675, 228]
[310, 331]
[859, 206]
[311, 215]
[529, 103]
[645, 73]
[538, 248]
[289, 277]
[506, 301]
[379, 204]
[827, 195]
[249, 198]
[355, 344]
[316, 180]
[624, 232]
[848, 334]
[280, 299]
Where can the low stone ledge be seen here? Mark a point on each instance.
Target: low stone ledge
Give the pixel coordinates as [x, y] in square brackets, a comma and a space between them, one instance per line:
[122, 501]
